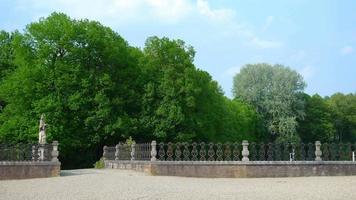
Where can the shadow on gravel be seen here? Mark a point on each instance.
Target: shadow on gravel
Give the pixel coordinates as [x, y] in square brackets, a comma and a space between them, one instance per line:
[76, 172]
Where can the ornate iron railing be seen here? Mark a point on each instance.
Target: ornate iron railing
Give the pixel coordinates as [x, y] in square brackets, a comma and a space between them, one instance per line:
[26, 152]
[338, 151]
[124, 151]
[110, 153]
[143, 151]
[199, 151]
[281, 151]
[231, 151]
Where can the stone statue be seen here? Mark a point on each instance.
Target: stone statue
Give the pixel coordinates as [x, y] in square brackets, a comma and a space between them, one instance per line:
[42, 130]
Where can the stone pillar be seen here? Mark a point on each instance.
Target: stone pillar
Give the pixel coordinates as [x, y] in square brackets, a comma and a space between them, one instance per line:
[105, 152]
[41, 151]
[245, 152]
[318, 152]
[153, 150]
[55, 152]
[133, 151]
[117, 151]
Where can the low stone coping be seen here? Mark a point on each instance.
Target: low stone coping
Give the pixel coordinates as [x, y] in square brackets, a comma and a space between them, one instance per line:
[29, 163]
[28, 169]
[238, 169]
[234, 162]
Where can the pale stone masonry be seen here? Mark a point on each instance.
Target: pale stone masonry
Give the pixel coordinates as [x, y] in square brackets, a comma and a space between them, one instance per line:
[190, 165]
[318, 152]
[55, 152]
[133, 151]
[245, 152]
[153, 150]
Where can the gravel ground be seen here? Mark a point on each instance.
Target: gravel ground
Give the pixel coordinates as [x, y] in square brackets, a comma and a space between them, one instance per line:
[121, 184]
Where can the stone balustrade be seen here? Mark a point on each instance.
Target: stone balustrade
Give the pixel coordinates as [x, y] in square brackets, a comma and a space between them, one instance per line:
[21, 161]
[244, 151]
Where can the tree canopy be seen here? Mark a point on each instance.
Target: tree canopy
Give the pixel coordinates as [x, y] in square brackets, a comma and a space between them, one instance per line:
[96, 89]
[317, 123]
[274, 90]
[343, 113]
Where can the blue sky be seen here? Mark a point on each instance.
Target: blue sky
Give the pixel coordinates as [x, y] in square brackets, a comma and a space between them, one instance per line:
[316, 38]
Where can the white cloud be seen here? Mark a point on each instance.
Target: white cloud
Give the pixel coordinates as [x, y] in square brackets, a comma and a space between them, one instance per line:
[118, 12]
[204, 9]
[347, 50]
[170, 9]
[233, 27]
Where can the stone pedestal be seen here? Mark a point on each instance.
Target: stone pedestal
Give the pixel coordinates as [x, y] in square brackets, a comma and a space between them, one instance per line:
[117, 151]
[105, 152]
[153, 150]
[55, 152]
[245, 152]
[41, 151]
[318, 152]
[133, 151]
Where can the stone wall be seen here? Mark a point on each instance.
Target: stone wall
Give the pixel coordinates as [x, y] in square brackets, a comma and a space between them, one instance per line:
[238, 169]
[28, 169]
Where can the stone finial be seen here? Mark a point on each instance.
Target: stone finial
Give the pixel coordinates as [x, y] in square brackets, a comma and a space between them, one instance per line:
[133, 151]
[42, 131]
[55, 152]
[153, 150]
[105, 152]
[245, 152]
[318, 152]
[117, 151]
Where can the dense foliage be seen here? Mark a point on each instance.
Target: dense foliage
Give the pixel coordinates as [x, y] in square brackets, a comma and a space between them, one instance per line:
[275, 93]
[329, 119]
[317, 123]
[96, 89]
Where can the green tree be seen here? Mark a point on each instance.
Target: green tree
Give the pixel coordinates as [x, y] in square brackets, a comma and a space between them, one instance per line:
[6, 52]
[82, 75]
[240, 122]
[317, 123]
[182, 103]
[95, 89]
[274, 90]
[6, 57]
[343, 109]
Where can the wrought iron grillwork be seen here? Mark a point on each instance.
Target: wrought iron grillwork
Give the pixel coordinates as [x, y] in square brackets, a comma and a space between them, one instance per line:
[232, 151]
[202, 152]
[280, 152]
[199, 152]
[124, 152]
[110, 153]
[338, 151]
[194, 152]
[25, 152]
[143, 151]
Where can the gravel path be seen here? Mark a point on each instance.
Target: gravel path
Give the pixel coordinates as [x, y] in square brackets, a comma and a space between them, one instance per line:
[121, 184]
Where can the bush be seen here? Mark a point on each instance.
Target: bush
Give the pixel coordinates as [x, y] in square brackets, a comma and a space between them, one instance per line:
[99, 164]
